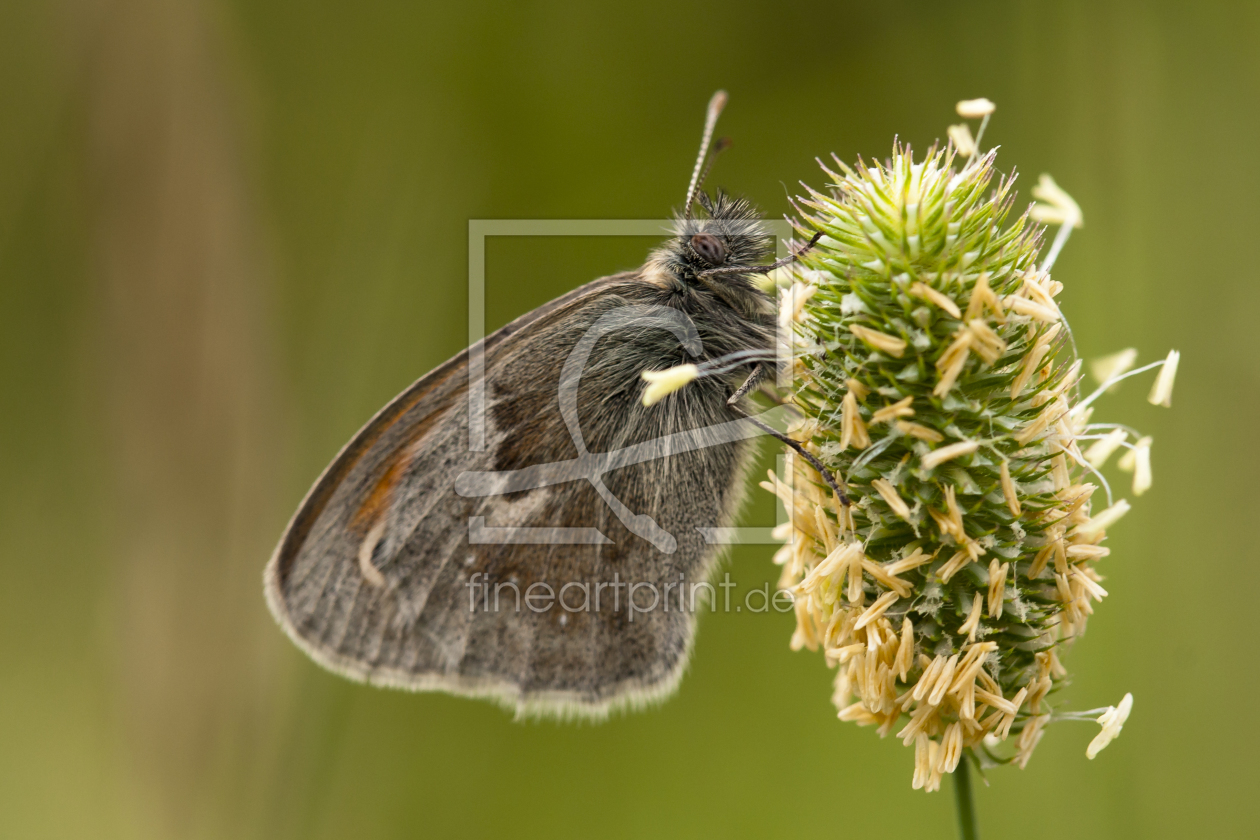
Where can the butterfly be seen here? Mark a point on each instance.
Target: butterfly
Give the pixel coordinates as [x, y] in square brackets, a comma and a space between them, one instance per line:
[517, 524]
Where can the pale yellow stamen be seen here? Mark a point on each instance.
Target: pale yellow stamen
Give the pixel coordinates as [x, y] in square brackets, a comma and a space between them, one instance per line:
[950, 522]
[1032, 361]
[852, 429]
[857, 388]
[804, 636]
[986, 343]
[901, 408]
[780, 489]
[855, 593]
[1129, 459]
[951, 748]
[1041, 561]
[1102, 449]
[841, 655]
[890, 495]
[1059, 472]
[1008, 489]
[951, 362]
[923, 290]
[972, 623]
[1107, 367]
[988, 682]
[835, 562]
[973, 109]
[1161, 391]
[1041, 287]
[901, 587]
[919, 431]
[942, 521]
[961, 136]
[1086, 579]
[905, 650]
[942, 682]
[859, 714]
[997, 701]
[924, 757]
[950, 375]
[928, 679]
[803, 430]
[1059, 207]
[793, 302]
[1038, 691]
[1100, 522]
[1141, 469]
[1004, 728]
[1066, 381]
[961, 558]
[662, 383]
[982, 298]
[824, 528]
[914, 561]
[1029, 738]
[1060, 557]
[1087, 552]
[958, 348]
[1037, 311]
[947, 453]
[1080, 420]
[1076, 496]
[1112, 722]
[955, 514]
[883, 342]
[971, 664]
[997, 587]
[875, 610]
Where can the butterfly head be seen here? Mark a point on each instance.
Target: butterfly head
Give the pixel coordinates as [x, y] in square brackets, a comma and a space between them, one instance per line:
[731, 235]
[720, 251]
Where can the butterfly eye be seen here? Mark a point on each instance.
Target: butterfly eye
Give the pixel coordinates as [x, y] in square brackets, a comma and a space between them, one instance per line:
[709, 248]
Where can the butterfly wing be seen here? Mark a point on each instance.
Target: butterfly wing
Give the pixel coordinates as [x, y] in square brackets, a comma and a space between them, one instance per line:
[517, 585]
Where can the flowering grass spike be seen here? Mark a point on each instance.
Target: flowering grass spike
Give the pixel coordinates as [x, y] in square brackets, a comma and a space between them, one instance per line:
[937, 378]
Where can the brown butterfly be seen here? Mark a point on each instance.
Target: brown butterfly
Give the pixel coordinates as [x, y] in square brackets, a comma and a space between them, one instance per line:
[537, 535]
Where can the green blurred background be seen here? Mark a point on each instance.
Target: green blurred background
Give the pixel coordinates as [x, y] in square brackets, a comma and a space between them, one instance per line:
[230, 230]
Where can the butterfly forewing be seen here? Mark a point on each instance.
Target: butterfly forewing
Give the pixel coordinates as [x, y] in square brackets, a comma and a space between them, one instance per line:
[413, 560]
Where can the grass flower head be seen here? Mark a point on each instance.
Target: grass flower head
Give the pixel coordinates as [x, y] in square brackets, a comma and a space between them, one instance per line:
[938, 380]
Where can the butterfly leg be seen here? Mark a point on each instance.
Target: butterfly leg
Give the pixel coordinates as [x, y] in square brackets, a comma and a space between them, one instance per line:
[753, 380]
[783, 438]
[764, 269]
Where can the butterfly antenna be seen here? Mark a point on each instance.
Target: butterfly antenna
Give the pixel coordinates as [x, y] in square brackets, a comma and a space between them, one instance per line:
[719, 146]
[716, 104]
